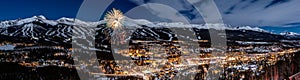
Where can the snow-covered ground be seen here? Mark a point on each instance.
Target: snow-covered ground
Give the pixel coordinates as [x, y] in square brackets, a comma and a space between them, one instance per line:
[7, 47]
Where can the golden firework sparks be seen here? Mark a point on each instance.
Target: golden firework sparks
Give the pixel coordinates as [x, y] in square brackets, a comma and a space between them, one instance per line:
[114, 19]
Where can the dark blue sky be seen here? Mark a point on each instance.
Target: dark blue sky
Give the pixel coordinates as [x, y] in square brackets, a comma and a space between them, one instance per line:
[52, 9]
[122, 5]
[243, 13]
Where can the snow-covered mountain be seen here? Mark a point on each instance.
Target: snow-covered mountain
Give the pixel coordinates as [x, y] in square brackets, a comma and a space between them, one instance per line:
[63, 30]
[38, 27]
[290, 35]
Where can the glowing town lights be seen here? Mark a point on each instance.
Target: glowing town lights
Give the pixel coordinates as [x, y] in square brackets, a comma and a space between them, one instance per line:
[231, 58]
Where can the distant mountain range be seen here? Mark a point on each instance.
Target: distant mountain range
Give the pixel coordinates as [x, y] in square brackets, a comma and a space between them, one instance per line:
[62, 31]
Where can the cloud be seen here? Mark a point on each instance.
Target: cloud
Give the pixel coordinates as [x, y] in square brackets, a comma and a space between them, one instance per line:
[237, 12]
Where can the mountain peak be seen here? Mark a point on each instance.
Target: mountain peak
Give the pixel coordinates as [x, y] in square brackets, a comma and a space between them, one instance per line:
[127, 22]
[39, 17]
[289, 33]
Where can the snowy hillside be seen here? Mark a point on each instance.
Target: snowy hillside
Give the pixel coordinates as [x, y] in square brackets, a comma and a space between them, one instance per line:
[63, 30]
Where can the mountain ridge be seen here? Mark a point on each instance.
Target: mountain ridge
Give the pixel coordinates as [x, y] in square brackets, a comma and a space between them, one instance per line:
[63, 30]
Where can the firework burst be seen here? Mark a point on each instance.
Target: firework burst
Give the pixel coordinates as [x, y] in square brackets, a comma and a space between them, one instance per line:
[114, 19]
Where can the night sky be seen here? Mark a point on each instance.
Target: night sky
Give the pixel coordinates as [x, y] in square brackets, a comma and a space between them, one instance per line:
[52, 9]
[260, 13]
